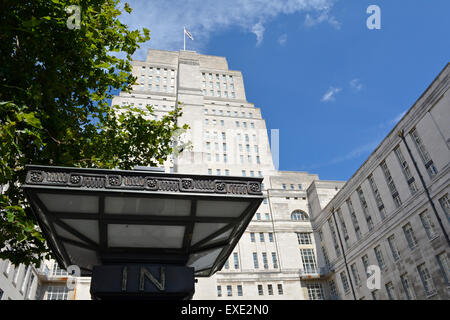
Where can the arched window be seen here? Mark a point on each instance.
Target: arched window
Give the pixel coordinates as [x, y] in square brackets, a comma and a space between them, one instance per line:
[299, 215]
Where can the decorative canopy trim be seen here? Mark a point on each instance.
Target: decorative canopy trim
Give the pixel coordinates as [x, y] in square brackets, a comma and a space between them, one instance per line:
[139, 180]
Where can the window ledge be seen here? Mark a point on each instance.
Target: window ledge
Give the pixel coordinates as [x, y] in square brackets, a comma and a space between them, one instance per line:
[434, 237]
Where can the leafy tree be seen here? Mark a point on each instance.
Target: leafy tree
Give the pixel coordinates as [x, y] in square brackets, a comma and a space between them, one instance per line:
[56, 80]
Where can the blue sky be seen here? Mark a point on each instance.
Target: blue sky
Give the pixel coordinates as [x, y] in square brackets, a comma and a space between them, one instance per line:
[331, 86]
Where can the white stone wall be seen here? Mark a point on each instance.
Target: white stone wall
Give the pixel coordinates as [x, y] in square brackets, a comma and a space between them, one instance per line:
[17, 283]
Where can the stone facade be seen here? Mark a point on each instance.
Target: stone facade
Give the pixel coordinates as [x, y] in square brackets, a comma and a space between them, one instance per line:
[17, 283]
[386, 216]
[229, 137]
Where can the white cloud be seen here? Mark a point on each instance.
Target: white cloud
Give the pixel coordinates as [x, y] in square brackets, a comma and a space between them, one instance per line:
[356, 153]
[323, 16]
[356, 84]
[390, 123]
[282, 39]
[166, 19]
[330, 94]
[258, 30]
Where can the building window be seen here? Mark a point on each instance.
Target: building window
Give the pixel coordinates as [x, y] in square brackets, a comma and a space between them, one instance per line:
[391, 184]
[260, 290]
[265, 262]
[390, 290]
[355, 274]
[444, 266]
[304, 238]
[393, 247]
[365, 207]
[308, 260]
[270, 289]
[379, 256]
[267, 217]
[409, 293]
[270, 237]
[345, 282]
[428, 225]
[219, 291]
[334, 237]
[57, 271]
[427, 281]
[236, 260]
[445, 204]
[365, 261]
[377, 197]
[333, 290]
[229, 291]
[280, 289]
[374, 294]
[239, 290]
[252, 236]
[258, 216]
[409, 235]
[325, 255]
[227, 265]
[255, 260]
[406, 171]
[57, 293]
[261, 237]
[343, 226]
[315, 291]
[354, 219]
[427, 161]
[274, 260]
[299, 215]
[210, 171]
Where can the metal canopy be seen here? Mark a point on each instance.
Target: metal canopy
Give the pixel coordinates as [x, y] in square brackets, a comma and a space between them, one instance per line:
[95, 217]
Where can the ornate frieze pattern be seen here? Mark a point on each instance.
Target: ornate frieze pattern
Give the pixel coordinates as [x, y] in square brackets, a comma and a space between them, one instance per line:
[147, 182]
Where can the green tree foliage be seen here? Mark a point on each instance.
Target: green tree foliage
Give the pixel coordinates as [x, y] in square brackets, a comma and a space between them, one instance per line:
[55, 85]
